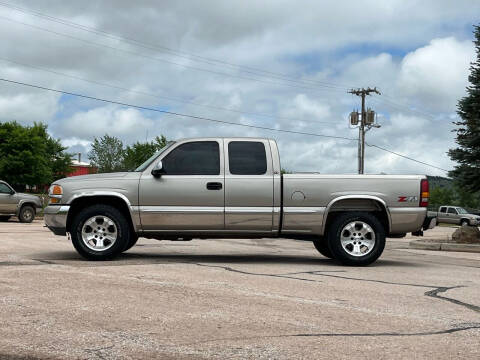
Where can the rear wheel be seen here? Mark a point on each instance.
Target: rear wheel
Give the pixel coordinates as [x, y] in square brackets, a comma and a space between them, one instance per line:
[5, 218]
[27, 214]
[356, 238]
[131, 242]
[100, 232]
[321, 245]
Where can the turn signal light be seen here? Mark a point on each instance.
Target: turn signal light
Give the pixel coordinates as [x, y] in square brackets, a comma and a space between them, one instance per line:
[57, 190]
[424, 193]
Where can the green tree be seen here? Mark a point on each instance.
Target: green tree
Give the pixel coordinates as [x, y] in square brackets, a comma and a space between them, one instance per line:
[30, 156]
[467, 154]
[107, 154]
[137, 153]
[441, 196]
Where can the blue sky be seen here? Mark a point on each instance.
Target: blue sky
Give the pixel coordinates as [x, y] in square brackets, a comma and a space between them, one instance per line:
[303, 59]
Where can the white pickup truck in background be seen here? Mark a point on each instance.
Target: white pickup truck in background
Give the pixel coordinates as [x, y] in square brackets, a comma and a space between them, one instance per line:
[233, 187]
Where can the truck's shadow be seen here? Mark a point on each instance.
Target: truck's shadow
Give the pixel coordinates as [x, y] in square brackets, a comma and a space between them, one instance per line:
[133, 258]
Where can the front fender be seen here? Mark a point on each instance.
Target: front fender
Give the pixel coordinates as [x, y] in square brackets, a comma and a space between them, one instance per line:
[133, 210]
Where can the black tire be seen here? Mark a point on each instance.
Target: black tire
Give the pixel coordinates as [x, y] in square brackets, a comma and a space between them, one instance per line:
[123, 232]
[27, 214]
[335, 231]
[464, 222]
[131, 242]
[321, 245]
[5, 218]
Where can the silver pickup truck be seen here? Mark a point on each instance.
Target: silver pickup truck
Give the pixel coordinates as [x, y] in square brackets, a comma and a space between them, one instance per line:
[12, 203]
[233, 187]
[457, 215]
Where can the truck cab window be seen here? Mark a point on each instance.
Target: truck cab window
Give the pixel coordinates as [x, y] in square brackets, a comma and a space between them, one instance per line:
[4, 189]
[443, 209]
[193, 158]
[452, 211]
[247, 158]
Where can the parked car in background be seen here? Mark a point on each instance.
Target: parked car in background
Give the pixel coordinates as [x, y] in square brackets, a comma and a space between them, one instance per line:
[23, 206]
[233, 187]
[457, 215]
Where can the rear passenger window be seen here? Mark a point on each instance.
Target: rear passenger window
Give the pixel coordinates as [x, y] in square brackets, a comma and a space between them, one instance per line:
[247, 158]
[443, 209]
[193, 158]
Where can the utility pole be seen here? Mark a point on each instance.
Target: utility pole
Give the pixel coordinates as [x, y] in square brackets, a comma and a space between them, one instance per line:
[366, 121]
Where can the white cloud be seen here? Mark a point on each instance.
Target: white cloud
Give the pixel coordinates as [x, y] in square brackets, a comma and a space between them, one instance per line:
[437, 72]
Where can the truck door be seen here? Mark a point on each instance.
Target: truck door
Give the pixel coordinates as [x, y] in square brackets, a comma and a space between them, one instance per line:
[452, 216]
[189, 196]
[442, 214]
[8, 202]
[248, 185]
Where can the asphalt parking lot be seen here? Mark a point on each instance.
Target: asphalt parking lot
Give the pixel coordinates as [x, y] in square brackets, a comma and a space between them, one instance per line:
[258, 299]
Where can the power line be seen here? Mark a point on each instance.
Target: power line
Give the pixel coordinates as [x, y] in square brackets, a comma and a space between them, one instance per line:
[195, 57]
[404, 156]
[210, 119]
[174, 113]
[173, 52]
[154, 95]
[92, 43]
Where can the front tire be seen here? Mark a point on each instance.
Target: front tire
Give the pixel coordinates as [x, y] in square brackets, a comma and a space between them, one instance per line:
[27, 214]
[100, 232]
[356, 238]
[321, 245]
[464, 222]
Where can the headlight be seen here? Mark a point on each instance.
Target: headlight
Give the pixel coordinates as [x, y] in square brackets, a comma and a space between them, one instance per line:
[55, 194]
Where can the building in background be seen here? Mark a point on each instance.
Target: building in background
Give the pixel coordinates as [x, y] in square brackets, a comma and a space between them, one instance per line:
[81, 168]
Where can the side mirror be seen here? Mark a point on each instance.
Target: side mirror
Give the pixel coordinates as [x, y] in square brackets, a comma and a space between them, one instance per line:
[158, 170]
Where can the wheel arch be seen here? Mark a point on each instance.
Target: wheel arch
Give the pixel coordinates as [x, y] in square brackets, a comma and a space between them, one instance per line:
[23, 203]
[119, 201]
[347, 203]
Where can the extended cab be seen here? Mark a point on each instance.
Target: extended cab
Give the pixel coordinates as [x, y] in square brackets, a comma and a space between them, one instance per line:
[233, 187]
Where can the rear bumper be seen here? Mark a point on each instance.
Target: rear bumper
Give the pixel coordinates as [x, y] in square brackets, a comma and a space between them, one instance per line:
[407, 219]
[55, 217]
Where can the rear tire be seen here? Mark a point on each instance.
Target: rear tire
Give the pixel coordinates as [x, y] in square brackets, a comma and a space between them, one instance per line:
[5, 218]
[321, 245]
[100, 232]
[356, 238]
[27, 214]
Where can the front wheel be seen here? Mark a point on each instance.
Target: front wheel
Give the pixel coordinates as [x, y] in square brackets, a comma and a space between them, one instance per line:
[356, 238]
[322, 247]
[27, 214]
[100, 232]
[464, 223]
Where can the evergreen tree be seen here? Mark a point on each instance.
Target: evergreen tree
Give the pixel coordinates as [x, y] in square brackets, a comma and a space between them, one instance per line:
[467, 173]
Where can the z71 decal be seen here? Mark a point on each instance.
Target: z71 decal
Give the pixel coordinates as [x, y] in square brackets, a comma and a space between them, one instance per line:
[407, 199]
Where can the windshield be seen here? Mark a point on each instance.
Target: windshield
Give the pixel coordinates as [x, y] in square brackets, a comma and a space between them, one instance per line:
[153, 157]
[462, 211]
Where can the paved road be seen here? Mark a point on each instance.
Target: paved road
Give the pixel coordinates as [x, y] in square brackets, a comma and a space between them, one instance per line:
[258, 299]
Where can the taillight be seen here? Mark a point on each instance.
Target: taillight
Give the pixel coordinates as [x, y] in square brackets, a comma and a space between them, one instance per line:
[424, 193]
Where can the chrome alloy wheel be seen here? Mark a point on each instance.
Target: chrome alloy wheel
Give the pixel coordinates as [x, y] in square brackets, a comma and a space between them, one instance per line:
[357, 238]
[99, 233]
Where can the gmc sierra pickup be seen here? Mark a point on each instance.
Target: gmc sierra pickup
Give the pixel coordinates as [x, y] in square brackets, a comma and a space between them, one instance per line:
[233, 187]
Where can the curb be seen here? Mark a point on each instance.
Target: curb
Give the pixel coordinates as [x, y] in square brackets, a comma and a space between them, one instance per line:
[424, 245]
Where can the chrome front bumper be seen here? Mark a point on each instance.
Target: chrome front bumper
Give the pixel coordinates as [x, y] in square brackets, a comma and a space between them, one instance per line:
[55, 217]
